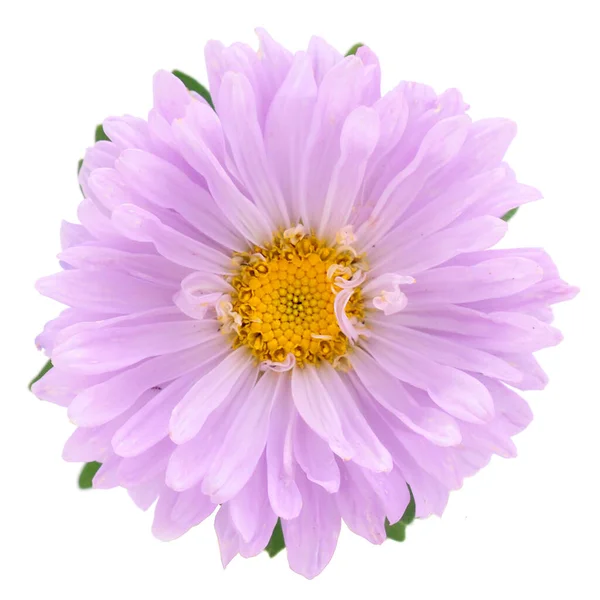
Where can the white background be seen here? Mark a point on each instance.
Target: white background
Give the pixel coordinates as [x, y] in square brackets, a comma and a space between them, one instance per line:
[525, 528]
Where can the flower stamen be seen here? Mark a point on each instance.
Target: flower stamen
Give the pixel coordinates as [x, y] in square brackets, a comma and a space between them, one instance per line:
[283, 305]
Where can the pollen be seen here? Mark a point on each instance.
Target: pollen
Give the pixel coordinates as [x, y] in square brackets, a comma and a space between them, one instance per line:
[284, 297]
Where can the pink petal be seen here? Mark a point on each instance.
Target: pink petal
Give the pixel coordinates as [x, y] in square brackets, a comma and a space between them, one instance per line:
[392, 491]
[372, 91]
[439, 146]
[234, 463]
[237, 109]
[208, 393]
[146, 494]
[190, 461]
[147, 267]
[192, 505]
[358, 139]
[93, 443]
[140, 225]
[360, 507]
[107, 476]
[283, 492]
[446, 352]
[315, 457]
[60, 387]
[103, 291]
[227, 534]
[312, 536]
[367, 450]
[170, 95]
[99, 403]
[145, 467]
[164, 185]
[247, 507]
[128, 132]
[151, 424]
[317, 408]
[101, 350]
[253, 224]
[285, 138]
[164, 527]
[459, 394]
[339, 93]
[489, 279]
[446, 207]
[324, 57]
[72, 234]
[417, 257]
[433, 424]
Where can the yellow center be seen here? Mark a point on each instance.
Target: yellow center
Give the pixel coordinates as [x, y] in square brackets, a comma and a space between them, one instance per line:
[283, 299]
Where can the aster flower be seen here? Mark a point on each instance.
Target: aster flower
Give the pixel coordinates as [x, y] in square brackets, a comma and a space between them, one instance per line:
[287, 307]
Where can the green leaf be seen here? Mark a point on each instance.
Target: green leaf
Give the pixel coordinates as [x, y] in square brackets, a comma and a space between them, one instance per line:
[194, 86]
[100, 135]
[276, 543]
[354, 49]
[510, 214]
[43, 371]
[87, 474]
[397, 531]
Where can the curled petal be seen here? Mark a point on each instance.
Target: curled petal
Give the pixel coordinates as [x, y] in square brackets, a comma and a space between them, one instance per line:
[199, 292]
[390, 302]
[279, 367]
[348, 328]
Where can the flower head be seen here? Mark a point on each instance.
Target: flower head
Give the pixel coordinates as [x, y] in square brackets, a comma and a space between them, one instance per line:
[288, 306]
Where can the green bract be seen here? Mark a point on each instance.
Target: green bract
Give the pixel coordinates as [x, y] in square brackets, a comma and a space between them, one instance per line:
[354, 49]
[194, 86]
[42, 372]
[87, 474]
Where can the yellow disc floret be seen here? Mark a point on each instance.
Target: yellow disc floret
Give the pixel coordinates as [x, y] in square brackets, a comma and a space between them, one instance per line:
[283, 299]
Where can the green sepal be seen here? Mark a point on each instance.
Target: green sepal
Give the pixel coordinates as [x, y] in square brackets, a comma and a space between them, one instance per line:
[409, 514]
[79, 165]
[510, 214]
[276, 543]
[100, 136]
[397, 531]
[42, 372]
[194, 86]
[354, 49]
[87, 474]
